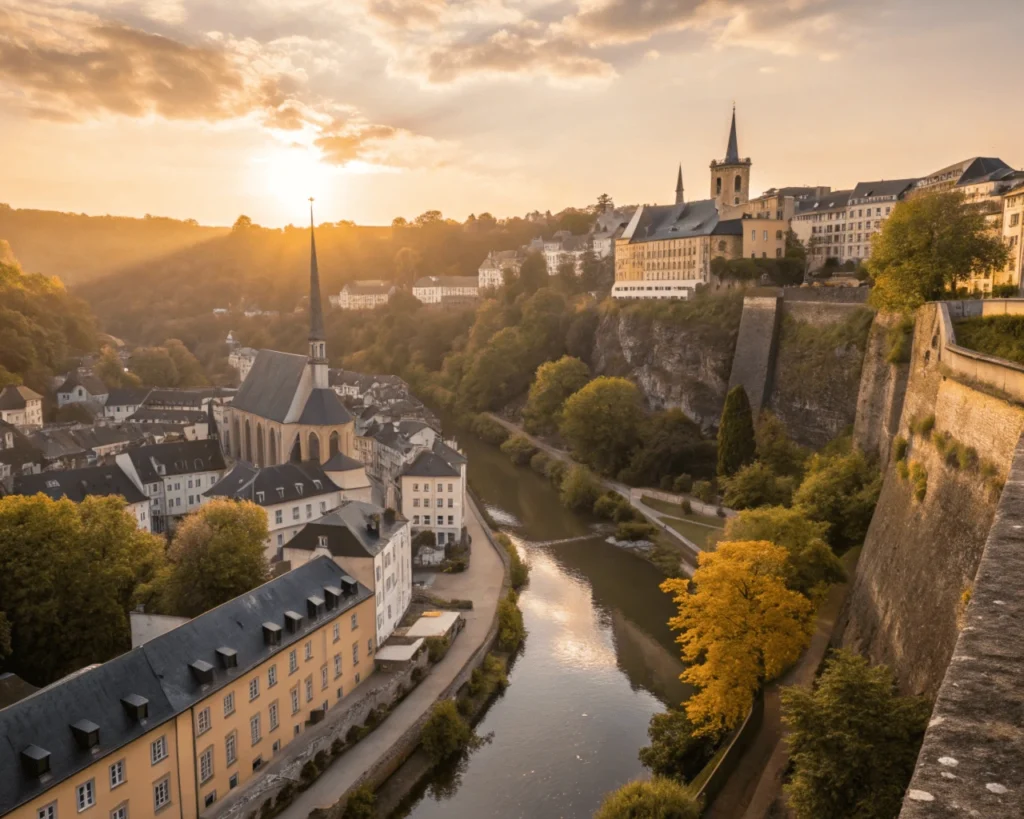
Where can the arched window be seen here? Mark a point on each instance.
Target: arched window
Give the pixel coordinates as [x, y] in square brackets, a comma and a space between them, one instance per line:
[334, 445]
[248, 442]
[739, 184]
[261, 452]
[296, 454]
[718, 185]
[314, 447]
[236, 438]
[272, 449]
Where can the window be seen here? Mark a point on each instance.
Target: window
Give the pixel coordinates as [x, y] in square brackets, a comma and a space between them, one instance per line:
[341, 693]
[440, 503]
[295, 700]
[323, 507]
[254, 688]
[416, 503]
[337, 626]
[295, 513]
[449, 487]
[273, 716]
[211, 797]
[309, 688]
[278, 516]
[415, 487]
[47, 811]
[120, 812]
[280, 540]
[293, 662]
[117, 774]
[206, 766]
[309, 511]
[260, 497]
[369, 647]
[233, 781]
[753, 235]
[451, 520]
[231, 748]
[355, 621]
[85, 795]
[309, 649]
[764, 236]
[158, 750]
[162, 793]
[337, 665]
[355, 653]
[415, 519]
[451, 503]
[257, 763]
[254, 728]
[426, 520]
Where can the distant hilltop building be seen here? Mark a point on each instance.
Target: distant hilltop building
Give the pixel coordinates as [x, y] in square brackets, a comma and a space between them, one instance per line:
[491, 274]
[447, 291]
[242, 358]
[21, 407]
[363, 295]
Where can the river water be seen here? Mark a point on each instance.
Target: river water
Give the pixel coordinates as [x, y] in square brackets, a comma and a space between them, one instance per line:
[598, 662]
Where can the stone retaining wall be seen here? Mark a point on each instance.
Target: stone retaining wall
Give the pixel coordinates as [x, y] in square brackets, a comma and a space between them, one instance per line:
[980, 368]
[755, 349]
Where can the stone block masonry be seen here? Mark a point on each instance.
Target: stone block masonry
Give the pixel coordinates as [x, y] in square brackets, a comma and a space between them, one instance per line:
[755, 348]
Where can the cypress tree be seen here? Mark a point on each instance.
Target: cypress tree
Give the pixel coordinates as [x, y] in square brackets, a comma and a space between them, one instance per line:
[736, 444]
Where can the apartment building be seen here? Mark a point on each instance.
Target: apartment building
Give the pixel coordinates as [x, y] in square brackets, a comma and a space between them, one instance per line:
[364, 295]
[97, 481]
[21, 407]
[433, 489]
[172, 726]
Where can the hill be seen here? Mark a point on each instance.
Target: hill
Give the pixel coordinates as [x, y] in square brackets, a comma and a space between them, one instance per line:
[80, 248]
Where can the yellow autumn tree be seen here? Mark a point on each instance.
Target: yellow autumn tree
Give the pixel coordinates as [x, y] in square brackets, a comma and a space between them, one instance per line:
[739, 626]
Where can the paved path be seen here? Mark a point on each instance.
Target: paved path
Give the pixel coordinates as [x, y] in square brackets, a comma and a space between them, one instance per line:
[481, 583]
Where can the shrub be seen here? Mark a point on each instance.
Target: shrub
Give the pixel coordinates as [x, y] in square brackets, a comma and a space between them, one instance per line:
[683, 483]
[899, 448]
[635, 531]
[902, 470]
[966, 457]
[539, 463]
[919, 477]
[756, 485]
[556, 471]
[666, 482]
[720, 512]
[942, 441]
[675, 751]
[284, 796]
[309, 771]
[361, 804]
[686, 506]
[321, 759]
[445, 732]
[607, 505]
[437, 647]
[418, 673]
[354, 734]
[511, 631]
[580, 489]
[372, 719]
[519, 572]
[337, 746]
[900, 339]
[923, 426]
[489, 430]
[704, 491]
[519, 450]
[657, 798]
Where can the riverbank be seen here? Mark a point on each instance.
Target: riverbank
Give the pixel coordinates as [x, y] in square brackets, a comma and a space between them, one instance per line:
[375, 757]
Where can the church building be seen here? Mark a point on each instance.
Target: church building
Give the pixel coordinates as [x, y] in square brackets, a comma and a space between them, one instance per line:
[285, 410]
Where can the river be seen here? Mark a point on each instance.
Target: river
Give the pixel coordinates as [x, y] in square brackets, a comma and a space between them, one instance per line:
[598, 662]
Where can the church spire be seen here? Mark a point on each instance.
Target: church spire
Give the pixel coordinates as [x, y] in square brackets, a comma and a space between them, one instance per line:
[732, 153]
[316, 312]
[680, 199]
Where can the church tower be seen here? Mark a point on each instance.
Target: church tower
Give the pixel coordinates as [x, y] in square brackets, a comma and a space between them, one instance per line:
[730, 179]
[317, 341]
[680, 198]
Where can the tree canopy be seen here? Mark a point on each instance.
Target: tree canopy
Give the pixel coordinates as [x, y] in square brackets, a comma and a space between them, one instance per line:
[736, 443]
[927, 246]
[602, 422]
[675, 750]
[554, 383]
[657, 798]
[840, 490]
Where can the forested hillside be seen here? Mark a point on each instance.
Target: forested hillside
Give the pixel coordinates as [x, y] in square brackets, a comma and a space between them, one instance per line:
[79, 248]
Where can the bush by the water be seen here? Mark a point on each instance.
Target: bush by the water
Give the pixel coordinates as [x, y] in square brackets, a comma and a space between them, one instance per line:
[675, 750]
[579, 489]
[519, 449]
[635, 531]
[519, 571]
[657, 798]
[489, 430]
[361, 804]
[540, 462]
[445, 732]
[511, 631]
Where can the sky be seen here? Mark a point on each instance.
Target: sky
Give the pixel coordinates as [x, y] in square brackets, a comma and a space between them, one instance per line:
[208, 109]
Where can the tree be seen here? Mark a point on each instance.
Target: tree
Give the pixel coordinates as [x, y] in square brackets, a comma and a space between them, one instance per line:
[740, 626]
[190, 371]
[672, 443]
[756, 485]
[5, 637]
[675, 751]
[579, 338]
[533, 274]
[927, 247]
[776, 448]
[407, 263]
[519, 449]
[853, 741]
[243, 222]
[554, 383]
[736, 444]
[812, 565]
[217, 554]
[840, 490]
[601, 423]
[74, 413]
[604, 204]
[110, 370]
[154, 367]
[657, 798]
[69, 575]
[579, 489]
[511, 629]
[445, 732]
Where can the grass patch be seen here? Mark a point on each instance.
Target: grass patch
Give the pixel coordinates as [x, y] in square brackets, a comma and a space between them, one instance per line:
[899, 341]
[675, 510]
[999, 336]
[703, 536]
[698, 781]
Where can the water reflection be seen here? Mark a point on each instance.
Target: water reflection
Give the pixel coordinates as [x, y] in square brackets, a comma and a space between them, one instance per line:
[598, 662]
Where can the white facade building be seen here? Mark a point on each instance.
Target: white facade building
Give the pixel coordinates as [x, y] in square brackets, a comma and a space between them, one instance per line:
[123, 403]
[491, 274]
[21, 407]
[242, 359]
[81, 388]
[438, 289]
[433, 489]
[365, 295]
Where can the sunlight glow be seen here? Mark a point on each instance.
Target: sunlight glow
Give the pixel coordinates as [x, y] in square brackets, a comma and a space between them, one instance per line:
[296, 173]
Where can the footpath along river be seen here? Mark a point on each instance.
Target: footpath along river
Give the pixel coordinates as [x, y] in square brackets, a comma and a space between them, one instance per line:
[598, 662]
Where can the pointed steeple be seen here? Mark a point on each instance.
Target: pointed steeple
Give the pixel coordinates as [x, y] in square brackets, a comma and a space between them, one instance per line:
[211, 422]
[732, 153]
[679, 187]
[316, 312]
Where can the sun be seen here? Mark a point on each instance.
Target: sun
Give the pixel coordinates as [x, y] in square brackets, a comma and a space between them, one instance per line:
[294, 174]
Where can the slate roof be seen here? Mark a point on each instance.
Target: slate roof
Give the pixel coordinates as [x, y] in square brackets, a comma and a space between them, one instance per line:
[369, 287]
[56, 443]
[159, 671]
[887, 187]
[447, 281]
[452, 457]
[271, 384]
[77, 484]
[189, 398]
[279, 484]
[836, 199]
[128, 396]
[12, 397]
[685, 221]
[340, 462]
[90, 383]
[346, 531]
[145, 415]
[430, 465]
[323, 408]
[177, 458]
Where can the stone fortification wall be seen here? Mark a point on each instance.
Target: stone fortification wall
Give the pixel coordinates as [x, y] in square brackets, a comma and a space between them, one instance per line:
[969, 365]
[972, 759]
[825, 294]
[754, 358]
[880, 395]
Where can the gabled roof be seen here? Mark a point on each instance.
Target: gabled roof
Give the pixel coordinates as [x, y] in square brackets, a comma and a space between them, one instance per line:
[177, 458]
[160, 673]
[368, 287]
[278, 484]
[885, 187]
[56, 443]
[452, 457]
[271, 384]
[346, 531]
[90, 383]
[12, 397]
[77, 484]
[324, 408]
[146, 414]
[340, 462]
[430, 465]
[127, 396]
[834, 200]
[185, 398]
[982, 169]
[685, 221]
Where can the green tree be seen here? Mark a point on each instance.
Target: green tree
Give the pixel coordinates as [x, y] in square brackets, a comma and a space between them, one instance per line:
[407, 265]
[154, 367]
[604, 203]
[756, 485]
[511, 629]
[927, 247]
[671, 443]
[579, 338]
[110, 370]
[840, 490]
[776, 448]
[533, 274]
[361, 804]
[519, 449]
[243, 222]
[675, 750]
[69, 575]
[554, 383]
[579, 489]
[217, 554]
[736, 443]
[602, 423]
[497, 373]
[853, 741]
[812, 565]
[189, 370]
[657, 798]
[74, 413]
[445, 732]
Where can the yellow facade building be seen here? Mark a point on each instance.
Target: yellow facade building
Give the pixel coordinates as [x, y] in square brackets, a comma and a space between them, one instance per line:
[173, 726]
[1013, 234]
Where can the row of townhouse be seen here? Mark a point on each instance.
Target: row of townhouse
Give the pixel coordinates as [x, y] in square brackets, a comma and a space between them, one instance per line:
[367, 294]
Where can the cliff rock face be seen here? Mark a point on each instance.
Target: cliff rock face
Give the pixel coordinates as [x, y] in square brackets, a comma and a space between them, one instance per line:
[677, 363]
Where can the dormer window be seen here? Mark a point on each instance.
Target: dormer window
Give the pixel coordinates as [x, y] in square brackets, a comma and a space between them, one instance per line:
[160, 470]
[321, 541]
[259, 497]
[299, 488]
[318, 484]
[52, 484]
[280, 491]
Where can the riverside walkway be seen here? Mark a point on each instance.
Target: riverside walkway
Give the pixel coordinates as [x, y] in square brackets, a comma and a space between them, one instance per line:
[481, 583]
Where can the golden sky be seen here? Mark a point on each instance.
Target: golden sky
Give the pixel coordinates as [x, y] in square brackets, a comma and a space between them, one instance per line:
[207, 109]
